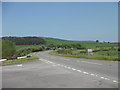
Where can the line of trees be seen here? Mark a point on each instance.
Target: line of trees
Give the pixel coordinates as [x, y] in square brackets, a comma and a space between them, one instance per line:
[26, 40]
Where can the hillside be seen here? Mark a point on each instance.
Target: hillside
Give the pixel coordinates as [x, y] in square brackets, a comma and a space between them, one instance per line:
[45, 41]
[87, 44]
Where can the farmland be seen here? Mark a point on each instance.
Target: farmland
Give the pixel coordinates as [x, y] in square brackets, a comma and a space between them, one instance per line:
[86, 44]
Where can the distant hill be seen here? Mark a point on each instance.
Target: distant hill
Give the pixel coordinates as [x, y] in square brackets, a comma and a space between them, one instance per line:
[87, 44]
[54, 41]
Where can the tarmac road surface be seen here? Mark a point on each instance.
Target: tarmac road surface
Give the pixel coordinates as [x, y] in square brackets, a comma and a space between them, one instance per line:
[60, 72]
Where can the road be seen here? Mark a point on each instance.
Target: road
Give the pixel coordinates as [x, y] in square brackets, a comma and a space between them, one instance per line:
[60, 72]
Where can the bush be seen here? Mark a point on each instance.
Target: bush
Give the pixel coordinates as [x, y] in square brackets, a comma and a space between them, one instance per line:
[97, 40]
[8, 49]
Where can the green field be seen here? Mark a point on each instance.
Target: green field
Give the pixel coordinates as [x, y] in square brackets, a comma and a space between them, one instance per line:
[86, 44]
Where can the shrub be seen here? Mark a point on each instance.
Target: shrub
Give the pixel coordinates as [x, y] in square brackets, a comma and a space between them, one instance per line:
[8, 49]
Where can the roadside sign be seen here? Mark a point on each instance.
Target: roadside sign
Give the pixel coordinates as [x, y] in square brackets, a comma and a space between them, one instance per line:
[90, 50]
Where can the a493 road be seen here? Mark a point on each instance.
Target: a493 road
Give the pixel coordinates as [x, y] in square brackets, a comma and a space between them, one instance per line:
[60, 72]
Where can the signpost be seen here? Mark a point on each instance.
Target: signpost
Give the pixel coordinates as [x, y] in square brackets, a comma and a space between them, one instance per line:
[90, 51]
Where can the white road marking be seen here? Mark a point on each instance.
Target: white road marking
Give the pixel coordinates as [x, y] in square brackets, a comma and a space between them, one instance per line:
[92, 74]
[102, 77]
[19, 65]
[107, 79]
[115, 81]
[65, 66]
[91, 63]
[96, 75]
[69, 67]
[54, 64]
[73, 69]
[85, 72]
[79, 70]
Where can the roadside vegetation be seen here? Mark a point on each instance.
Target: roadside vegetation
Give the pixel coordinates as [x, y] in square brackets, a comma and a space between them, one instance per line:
[100, 55]
[8, 49]
[101, 50]
[20, 60]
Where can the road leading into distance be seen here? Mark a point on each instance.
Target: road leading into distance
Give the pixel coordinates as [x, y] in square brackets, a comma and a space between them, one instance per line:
[61, 72]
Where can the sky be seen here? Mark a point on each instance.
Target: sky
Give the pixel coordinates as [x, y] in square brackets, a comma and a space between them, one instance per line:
[65, 20]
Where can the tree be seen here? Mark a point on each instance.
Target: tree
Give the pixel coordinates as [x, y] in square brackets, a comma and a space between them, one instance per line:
[8, 49]
[97, 40]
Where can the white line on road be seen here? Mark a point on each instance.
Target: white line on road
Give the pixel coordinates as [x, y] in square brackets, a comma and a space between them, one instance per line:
[69, 67]
[115, 81]
[95, 75]
[85, 72]
[19, 65]
[73, 69]
[79, 70]
[107, 79]
[92, 74]
[65, 66]
[102, 77]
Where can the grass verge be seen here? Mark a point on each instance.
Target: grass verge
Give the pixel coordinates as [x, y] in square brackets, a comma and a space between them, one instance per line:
[97, 57]
[34, 57]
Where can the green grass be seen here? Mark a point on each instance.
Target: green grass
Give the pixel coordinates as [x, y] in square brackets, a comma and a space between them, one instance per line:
[20, 60]
[87, 44]
[100, 55]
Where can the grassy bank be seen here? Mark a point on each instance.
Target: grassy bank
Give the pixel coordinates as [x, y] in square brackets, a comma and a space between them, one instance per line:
[101, 55]
[34, 57]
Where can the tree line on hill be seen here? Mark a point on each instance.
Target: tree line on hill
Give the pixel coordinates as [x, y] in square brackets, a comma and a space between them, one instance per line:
[26, 40]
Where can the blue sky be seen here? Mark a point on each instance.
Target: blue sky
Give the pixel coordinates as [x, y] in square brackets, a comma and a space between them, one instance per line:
[67, 20]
